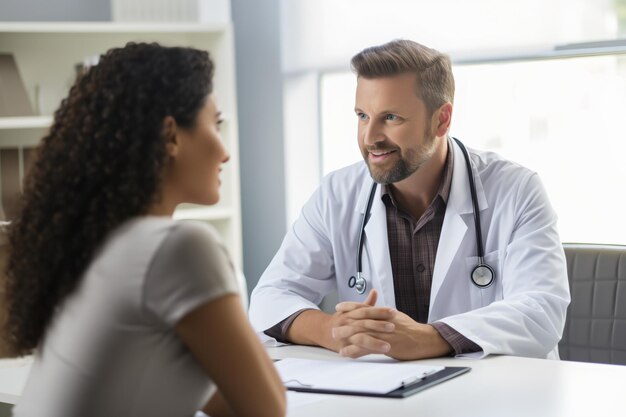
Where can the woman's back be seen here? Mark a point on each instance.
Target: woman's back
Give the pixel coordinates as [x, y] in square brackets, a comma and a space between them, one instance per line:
[112, 349]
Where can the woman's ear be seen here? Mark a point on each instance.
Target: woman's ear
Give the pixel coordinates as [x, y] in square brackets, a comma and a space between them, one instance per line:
[169, 135]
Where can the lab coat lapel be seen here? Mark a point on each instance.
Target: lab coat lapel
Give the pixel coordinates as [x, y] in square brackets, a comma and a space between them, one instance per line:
[376, 260]
[455, 223]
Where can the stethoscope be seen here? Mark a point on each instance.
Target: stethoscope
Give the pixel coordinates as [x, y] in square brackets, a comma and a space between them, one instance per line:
[482, 275]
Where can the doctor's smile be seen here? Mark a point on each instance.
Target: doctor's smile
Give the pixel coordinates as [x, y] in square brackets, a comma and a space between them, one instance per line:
[377, 156]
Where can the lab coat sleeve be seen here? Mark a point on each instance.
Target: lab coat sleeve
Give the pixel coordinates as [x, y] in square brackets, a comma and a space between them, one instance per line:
[302, 271]
[530, 317]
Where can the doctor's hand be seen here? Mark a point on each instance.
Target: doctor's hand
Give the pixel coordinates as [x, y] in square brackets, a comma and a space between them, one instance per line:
[409, 340]
[352, 326]
[314, 327]
[354, 323]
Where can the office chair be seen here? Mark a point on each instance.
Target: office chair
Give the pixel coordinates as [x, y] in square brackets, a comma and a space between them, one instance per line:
[595, 329]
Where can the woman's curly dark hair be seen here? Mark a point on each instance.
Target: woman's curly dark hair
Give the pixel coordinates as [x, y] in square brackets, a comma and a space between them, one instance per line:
[101, 163]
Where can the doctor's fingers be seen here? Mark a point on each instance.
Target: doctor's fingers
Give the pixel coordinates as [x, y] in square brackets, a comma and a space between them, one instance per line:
[374, 313]
[363, 344]
[360, 326]
[349, 306]
[370, 301]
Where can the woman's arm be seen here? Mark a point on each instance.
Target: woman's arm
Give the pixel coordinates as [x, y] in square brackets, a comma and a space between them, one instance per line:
[221, 338]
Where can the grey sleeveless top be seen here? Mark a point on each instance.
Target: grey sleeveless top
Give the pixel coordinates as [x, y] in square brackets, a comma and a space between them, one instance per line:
[112, 349]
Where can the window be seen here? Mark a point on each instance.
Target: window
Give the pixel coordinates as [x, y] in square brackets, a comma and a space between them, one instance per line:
[561, 118]
[543, 83]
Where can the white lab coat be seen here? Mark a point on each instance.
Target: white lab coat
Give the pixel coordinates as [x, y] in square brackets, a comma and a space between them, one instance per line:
[522, 313]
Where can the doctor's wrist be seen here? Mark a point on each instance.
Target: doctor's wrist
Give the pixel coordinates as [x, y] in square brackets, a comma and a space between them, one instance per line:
[313, 328]
[439, 344]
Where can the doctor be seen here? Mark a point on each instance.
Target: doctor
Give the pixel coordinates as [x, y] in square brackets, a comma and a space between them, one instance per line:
[450, 253]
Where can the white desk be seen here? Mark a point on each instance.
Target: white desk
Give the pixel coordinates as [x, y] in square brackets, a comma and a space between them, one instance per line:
[498, 386]
[13, 374]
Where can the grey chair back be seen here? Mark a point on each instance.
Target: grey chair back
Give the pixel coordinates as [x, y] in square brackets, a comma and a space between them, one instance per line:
[595, 329]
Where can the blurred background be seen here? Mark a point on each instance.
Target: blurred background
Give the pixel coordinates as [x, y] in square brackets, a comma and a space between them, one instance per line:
[542, 82]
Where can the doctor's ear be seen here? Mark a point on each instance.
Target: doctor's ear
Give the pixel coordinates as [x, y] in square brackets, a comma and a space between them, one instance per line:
[168, 131]
[441, 119]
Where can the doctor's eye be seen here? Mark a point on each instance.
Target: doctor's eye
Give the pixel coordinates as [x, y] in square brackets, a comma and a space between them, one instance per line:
[391, 117]
[361, 116]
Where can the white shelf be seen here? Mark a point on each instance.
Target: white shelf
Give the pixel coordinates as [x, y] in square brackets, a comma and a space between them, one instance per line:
[25, 122]
[110, 27]
[43, 122]
[203, 213]
[47, 52]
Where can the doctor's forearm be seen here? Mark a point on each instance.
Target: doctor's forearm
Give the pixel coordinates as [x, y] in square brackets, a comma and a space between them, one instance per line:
[312, 327]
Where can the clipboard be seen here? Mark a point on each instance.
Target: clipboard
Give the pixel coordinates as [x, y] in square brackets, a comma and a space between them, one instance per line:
[369, 379]
[429, 381]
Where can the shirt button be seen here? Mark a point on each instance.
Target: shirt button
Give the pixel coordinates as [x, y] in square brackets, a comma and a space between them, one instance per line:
[421, 268]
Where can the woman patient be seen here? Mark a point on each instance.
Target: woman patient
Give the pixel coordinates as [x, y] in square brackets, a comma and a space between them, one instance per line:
[129, 312]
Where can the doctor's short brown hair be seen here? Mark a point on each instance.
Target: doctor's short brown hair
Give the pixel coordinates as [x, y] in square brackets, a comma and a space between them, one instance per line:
[435, 82]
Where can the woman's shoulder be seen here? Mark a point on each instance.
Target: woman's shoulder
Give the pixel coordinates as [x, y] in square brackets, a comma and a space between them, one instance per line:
[190, 267]
[142, 240]
[154, 229]
[193, 237]
[194, 243]
[194, 229]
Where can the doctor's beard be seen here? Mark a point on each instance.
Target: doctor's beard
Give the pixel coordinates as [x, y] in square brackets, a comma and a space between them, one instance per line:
[409, 161]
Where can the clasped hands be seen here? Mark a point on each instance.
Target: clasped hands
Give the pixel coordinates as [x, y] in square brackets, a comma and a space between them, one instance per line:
[358, 329]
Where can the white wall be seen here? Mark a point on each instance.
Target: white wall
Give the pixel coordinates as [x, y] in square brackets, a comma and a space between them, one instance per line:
[261, 148]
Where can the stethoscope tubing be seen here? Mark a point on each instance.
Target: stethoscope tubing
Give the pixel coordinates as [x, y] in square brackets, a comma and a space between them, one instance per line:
[366, 215]
[470, 174]
[360, 283]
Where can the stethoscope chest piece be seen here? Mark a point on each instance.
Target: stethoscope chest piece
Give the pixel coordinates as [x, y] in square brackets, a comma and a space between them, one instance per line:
[358, 282]
[483, 275]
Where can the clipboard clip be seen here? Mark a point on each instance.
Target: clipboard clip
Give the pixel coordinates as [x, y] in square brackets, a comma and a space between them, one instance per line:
[298, 382]
[417, 378]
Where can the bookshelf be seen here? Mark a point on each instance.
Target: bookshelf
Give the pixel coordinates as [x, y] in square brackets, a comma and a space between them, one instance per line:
[46, 54]
[26, 122]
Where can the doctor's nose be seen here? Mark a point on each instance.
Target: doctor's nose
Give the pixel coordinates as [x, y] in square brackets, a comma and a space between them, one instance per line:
[372, 134]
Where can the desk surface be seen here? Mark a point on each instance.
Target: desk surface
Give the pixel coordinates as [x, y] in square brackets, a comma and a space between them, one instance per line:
[496, 386]
[13, 374]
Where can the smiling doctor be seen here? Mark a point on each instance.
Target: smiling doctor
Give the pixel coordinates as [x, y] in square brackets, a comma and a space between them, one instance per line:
[434, 249]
